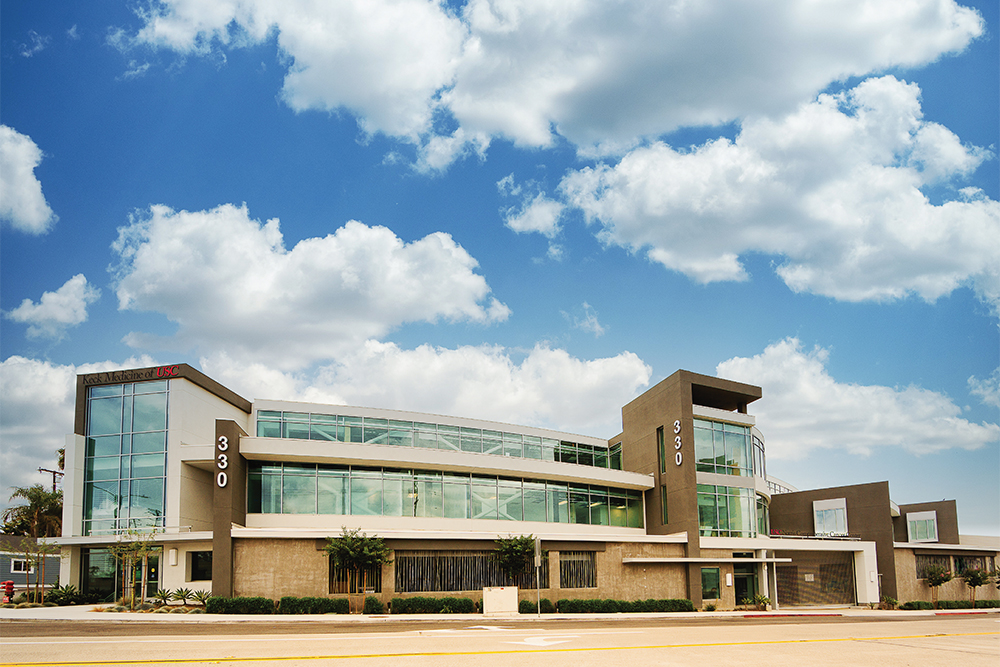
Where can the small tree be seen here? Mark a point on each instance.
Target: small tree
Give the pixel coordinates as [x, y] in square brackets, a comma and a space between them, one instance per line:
[936, 575]
[514, 554]
[34, 558]
[132, 551]
[974, 579]
[357, 554]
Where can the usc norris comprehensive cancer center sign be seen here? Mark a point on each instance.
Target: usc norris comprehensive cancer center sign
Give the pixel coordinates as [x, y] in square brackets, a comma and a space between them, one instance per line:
[137, 375]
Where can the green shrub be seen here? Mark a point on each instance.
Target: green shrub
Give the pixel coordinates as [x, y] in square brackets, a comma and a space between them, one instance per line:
[955, 604]
[256, 605]
[916, 604]
[313, 605]
[421, 605]
[373, 606]
[530, 607]
[622, 606]
[64, 595]
[951, 604]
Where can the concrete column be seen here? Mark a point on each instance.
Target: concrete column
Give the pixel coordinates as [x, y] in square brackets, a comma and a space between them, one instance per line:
[230, 481]
[773, 590]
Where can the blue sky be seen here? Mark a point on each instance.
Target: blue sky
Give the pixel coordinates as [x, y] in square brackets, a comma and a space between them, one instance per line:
[521, 211]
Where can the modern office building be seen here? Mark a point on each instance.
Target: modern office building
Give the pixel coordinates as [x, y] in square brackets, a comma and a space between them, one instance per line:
[241, 497]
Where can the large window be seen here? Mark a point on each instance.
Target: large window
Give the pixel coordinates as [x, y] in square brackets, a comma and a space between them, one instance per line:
[925, 561]
[379, 431]
[201, 566]
[577, 569]
[830, 517]
[727, 511]
[921, 526]
[727, 449]
[296, 488]
[101, 575]
[710, 583]
[443, 571]
[125, 461]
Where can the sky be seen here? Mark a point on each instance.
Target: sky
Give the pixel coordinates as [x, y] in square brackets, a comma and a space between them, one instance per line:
[519, 210]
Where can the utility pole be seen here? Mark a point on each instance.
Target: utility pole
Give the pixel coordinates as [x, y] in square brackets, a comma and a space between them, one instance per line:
[54, 473]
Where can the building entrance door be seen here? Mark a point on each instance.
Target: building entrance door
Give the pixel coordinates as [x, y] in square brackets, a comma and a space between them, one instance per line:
[744, 579]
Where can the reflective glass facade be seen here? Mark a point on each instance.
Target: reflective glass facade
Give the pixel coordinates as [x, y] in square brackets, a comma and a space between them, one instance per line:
[296, 488]
[729, 511]
[125, 461]
[378, 431]
[728, 449]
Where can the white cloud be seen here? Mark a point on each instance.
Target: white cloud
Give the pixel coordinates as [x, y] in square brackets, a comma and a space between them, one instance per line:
[230, 284]
[36, 44]
[987, 390]
[22, 204]
[588, 322]
[603, 75]
[56, 311]
[539, 214]
[834, 187]
[381, 60]
[36, 415]
[803, 408]
[547, 388]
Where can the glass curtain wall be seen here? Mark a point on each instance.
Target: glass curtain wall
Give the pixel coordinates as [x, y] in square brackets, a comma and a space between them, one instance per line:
[125, 462]
[377, 431]
[295, 488]
[727, 449]
[727, 511]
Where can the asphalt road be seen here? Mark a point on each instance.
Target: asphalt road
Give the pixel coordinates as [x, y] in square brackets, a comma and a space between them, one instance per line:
[966, 640]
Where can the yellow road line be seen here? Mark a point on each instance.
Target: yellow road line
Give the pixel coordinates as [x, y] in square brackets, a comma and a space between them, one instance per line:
[189, 661]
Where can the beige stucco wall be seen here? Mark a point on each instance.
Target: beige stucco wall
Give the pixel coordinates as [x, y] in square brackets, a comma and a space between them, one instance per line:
[910, 588]
[275, 568]
[178, 574]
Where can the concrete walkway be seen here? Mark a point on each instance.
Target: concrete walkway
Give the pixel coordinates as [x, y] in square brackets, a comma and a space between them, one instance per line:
[86, 612]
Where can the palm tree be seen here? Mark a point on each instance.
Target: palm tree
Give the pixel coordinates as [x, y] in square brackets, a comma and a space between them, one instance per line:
[41, 516]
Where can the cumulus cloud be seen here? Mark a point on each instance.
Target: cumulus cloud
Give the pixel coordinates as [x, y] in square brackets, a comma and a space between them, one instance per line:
[834, 187]
[22, 204]
[56, 311]
[381, 60]
[547, 387]
[36, 414]
[602, 75]
[803, 408]
[537, 213]
[230, 284]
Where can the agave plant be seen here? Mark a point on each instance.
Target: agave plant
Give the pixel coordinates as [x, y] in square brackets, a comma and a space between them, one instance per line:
[201, 596]
[182, 595]
[162, 596]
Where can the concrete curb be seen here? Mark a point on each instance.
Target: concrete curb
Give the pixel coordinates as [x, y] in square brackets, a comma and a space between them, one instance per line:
[87, 613]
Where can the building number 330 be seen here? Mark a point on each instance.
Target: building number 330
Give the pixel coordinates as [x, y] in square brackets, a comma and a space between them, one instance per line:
[222, 462]
[678, 456]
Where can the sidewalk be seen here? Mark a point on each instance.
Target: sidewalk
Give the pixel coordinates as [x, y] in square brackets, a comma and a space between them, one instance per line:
[85, 612]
